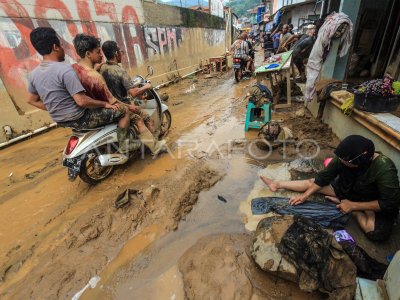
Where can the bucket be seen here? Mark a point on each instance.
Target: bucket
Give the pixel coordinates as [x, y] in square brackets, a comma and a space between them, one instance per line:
[375, 103]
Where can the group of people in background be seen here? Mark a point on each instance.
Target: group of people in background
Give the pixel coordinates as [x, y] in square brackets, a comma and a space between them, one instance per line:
[283, 39]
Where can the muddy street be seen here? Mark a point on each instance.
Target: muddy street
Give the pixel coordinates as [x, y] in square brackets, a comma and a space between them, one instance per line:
[57, 235]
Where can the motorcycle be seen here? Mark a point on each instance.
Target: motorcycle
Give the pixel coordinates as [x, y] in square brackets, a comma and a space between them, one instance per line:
[92, 154]
[239, 68]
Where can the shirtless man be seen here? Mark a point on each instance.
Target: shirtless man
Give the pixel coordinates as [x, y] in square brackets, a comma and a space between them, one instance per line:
[88, 48]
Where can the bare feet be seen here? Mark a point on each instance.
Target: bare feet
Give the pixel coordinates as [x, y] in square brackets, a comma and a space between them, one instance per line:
[273, 186]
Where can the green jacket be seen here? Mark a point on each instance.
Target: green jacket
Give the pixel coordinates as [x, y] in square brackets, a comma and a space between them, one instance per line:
[380, 182]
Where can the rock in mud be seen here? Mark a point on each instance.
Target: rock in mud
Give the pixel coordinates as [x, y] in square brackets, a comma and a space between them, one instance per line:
[219, 267]
[303, 165]
[265, 247]
[215, 268]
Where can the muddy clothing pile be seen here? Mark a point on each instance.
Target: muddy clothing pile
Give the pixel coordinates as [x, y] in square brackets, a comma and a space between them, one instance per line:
[300, 250]
[320, 261]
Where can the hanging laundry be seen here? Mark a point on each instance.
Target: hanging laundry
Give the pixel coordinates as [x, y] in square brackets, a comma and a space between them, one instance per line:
[336, 25]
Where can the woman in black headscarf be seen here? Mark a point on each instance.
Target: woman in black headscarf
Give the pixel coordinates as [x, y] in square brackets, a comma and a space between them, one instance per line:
[360, 180]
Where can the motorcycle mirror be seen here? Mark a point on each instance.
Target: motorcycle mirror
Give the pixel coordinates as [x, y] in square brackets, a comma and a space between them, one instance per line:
[150, 71]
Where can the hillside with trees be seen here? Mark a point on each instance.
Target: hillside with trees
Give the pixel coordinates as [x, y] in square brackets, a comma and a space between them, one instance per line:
[240, 7]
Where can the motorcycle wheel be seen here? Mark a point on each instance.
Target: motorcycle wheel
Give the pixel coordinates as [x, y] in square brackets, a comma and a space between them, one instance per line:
[91, 170]
[166, 122]
[238, 74]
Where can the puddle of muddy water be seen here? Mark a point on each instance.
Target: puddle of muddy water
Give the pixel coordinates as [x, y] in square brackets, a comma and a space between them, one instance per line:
[154, 274]
[148, 270]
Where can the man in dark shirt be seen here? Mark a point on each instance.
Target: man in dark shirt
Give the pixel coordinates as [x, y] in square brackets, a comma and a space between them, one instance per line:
[302, 49]
[117, 78]
[361, 181]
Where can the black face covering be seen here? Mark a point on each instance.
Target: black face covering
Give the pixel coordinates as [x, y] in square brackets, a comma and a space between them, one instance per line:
[360, 151]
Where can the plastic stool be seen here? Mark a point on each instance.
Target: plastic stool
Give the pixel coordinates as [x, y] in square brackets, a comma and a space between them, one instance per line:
[252, 121]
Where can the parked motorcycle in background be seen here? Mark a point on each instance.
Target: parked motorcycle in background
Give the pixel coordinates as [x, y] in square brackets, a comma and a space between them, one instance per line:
[92, 154]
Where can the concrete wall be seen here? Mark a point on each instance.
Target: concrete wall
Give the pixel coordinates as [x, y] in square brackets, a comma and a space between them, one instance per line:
[173, 40]
[344, 126]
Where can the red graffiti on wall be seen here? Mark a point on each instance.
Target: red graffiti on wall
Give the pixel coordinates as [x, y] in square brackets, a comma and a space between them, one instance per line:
[17, 56]
[84, 14]
[134, 40]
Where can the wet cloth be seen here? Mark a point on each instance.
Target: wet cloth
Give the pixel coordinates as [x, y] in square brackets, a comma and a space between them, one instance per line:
[118, 80]
[367, 267]
[56, 83]
[324, 213]
[320, 261]
[318, 53]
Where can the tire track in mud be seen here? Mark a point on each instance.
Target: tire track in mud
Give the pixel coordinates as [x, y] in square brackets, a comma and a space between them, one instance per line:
[91, 241]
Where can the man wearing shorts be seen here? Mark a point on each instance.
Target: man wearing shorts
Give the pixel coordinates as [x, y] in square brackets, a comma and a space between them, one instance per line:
[55, 87]
[88, 48]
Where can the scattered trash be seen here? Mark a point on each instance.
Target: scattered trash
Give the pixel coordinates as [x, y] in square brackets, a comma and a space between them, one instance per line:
[126, 197]
[210, 76]
[222, 199]
[303, 165]
[91, 284]
[11, 174]
[300, 113]
[191, 89]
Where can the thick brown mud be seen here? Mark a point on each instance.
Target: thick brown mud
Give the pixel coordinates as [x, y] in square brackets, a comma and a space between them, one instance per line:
[56, 235]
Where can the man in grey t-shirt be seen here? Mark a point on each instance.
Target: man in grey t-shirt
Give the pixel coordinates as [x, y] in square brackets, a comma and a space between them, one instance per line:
[55, 87]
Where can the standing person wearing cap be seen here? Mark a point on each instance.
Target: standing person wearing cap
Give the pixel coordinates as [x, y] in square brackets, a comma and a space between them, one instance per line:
[361, 181]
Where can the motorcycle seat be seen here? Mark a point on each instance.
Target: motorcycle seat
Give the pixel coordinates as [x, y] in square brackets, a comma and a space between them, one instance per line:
[86, 129]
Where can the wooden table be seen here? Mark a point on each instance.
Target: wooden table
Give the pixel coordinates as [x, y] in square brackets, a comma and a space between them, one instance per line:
[220, 63]
[284, 69]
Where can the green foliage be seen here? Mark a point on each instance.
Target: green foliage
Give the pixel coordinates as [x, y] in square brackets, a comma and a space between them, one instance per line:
[396, 87]
[240, 7]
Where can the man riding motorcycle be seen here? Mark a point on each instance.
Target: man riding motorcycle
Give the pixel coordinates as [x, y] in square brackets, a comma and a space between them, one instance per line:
[241, 50]
[55, 87]
[118, 80]
[88, 48]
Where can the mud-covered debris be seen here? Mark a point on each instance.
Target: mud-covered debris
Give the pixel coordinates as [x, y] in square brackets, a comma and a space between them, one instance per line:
[220, 198]
[127, 196]
[164, 97]
[300, 113]
[303, 165]
[177, 103]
